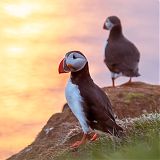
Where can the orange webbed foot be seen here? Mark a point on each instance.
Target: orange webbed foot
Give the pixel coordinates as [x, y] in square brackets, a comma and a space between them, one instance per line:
[78, 143]
[95, 137]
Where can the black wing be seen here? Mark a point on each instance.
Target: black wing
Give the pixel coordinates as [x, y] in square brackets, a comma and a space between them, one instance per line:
[99, 110]
[122, 56]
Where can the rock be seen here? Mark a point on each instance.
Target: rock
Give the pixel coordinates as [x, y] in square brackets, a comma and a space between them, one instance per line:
[129, 101]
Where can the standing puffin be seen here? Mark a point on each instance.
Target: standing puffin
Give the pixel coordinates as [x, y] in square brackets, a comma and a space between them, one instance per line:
[121, 55]
[87, 101]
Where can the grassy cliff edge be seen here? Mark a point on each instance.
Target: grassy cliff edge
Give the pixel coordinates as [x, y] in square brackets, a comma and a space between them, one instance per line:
[137, 108]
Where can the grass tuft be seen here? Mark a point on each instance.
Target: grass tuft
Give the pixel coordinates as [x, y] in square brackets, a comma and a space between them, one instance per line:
[131, 96]
[140, 143]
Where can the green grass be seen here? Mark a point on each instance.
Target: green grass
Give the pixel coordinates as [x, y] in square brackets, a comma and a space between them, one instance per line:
[131, 96]
[142, 142]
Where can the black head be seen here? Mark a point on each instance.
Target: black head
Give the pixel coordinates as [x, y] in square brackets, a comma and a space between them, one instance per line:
[74, 61]
[111, 22]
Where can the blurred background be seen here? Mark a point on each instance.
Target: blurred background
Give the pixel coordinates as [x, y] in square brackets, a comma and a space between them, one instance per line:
[35, 35]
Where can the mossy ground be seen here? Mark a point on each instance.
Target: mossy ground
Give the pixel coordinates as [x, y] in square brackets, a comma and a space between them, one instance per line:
[133, 96]
[142, 142]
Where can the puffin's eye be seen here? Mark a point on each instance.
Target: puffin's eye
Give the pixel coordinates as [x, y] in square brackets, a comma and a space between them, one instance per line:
[74, 57]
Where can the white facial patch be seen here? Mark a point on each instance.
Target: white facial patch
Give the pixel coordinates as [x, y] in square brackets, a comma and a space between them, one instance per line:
[109, 24]
[116, 75]
[76, 60]
[75, 101]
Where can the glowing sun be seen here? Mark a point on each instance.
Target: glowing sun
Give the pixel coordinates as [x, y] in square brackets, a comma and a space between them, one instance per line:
[18, 10]
[15, 50]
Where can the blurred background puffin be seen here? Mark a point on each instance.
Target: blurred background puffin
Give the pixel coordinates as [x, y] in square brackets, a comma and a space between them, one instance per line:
[87, 101]
[121, 56]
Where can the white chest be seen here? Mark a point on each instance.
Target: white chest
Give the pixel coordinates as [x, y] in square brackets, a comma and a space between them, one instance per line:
[72, 94]
[106, 43]
[75, 102]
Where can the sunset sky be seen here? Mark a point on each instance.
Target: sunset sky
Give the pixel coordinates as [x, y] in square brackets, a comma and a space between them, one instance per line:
[36, 34]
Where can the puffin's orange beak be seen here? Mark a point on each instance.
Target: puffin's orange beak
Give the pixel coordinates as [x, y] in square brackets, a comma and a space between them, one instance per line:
[61, 67]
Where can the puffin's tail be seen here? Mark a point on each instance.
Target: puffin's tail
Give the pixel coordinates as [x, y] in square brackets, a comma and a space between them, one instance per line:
[116, 131]
[136, 73]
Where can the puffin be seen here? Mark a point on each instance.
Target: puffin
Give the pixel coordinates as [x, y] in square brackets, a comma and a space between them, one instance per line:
[88, 102]
[121, 55]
